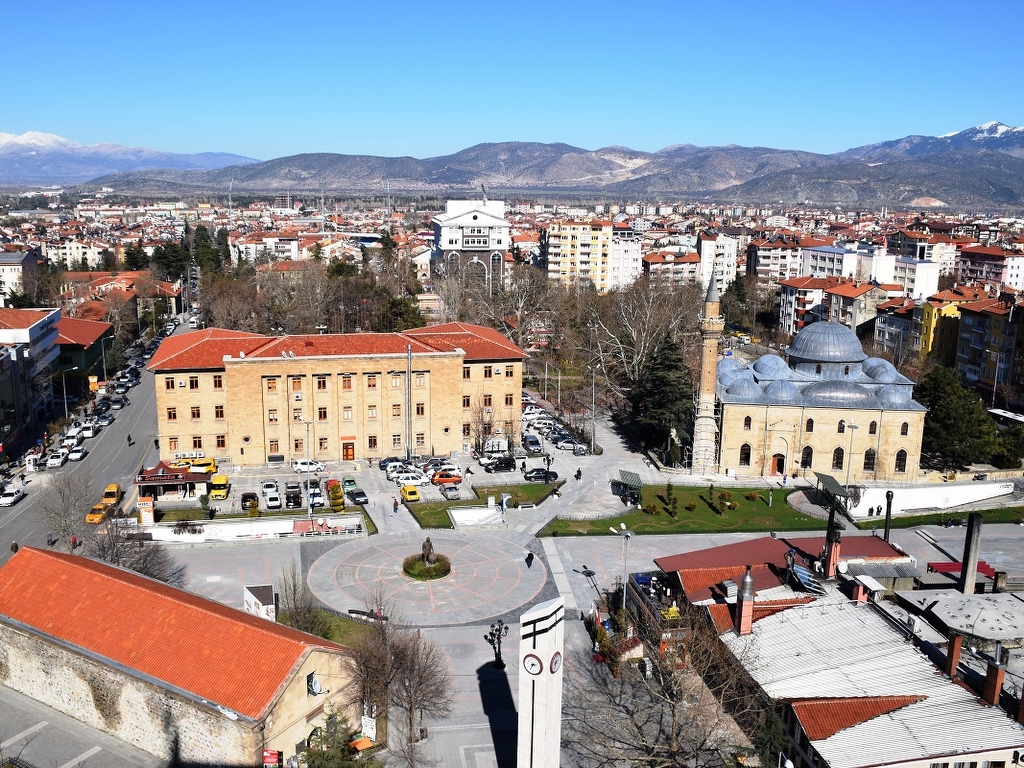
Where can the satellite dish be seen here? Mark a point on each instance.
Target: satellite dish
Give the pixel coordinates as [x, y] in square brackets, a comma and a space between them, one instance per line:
[842, 567]
[242, 355]
[291, 353]
[315, 687]
[284, 354]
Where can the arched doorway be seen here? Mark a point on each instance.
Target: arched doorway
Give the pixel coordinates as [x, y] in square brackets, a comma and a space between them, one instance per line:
[778, 464]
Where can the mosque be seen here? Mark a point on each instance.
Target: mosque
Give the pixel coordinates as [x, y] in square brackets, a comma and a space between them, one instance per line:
[829, 408]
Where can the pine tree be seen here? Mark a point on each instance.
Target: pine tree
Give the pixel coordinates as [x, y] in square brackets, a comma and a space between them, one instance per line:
[662, 400]
[957, 430]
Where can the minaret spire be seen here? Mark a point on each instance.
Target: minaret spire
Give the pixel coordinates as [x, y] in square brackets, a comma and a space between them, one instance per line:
[705, 427]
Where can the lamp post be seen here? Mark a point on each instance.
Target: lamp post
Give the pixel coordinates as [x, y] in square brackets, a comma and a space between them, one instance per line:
[309, 491]
[849, 464]
[593, 405]
[64, 388]
[626, 535]
[784, 762]
[498, 631]
[103, 354]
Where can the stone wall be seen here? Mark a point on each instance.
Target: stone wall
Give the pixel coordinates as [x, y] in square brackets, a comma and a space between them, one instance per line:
[137, 712]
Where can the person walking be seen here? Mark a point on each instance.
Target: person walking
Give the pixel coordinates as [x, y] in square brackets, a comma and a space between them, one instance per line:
[129, 440]
[394, 506]
[579, 473]
[14, 546]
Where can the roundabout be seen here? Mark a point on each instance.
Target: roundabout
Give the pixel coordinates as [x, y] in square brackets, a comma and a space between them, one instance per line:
[489, 578]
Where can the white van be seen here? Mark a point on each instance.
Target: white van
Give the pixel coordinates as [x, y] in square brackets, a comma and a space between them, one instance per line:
[193, 322]
[90, 430]
[73, 438]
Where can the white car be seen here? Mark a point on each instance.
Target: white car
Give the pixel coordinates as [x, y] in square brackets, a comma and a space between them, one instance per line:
[77, 453]
[411, 478]
[268, 487]
[11, 496]
[307, 465]
[316, 499]
[58, 458]
[273, 500]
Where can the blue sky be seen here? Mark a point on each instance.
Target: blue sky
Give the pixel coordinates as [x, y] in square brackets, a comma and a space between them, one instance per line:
[424, 79]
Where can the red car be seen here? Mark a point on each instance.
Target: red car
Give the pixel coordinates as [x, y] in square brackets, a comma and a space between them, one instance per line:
[445, 478]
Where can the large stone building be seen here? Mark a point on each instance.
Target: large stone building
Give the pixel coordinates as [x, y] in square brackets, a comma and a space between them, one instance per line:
[252, 399]
[472, 237]
[171, 673]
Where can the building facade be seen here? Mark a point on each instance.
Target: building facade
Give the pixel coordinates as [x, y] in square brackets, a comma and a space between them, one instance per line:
[471, 237]
[254, 400]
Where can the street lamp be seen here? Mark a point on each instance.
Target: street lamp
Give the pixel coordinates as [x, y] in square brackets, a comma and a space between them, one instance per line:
[849, 465]
[593, 404]
[64, 388]
[498, 631]
[309, 491]
[626, 535]
[784, 762]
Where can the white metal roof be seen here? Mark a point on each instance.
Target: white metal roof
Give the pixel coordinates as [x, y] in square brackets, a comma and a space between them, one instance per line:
[832, 648]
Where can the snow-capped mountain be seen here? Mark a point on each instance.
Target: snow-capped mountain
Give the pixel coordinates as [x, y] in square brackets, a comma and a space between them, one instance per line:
[43, 158]
[991, 137]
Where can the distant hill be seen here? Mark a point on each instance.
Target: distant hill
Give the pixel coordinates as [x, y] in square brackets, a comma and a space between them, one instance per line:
[979, 167]
[42, 158]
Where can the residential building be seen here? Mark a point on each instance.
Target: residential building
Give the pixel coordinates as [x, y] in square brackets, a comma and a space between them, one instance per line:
[672, 268]
[16, 267]
[829, 261]
[32, 336]
[778, 257]
[717, 259]
[256, 400]
[894, 329]
[162, 669]
[937, 321]
[802, 302]
[624, 257]
[991, 264]
[82, 345]
[853, 302]
[472, 236]
[925, 246]
[990, 331]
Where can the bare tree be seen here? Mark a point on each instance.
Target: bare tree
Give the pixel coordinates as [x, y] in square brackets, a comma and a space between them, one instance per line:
[297, 608]
[63, 503]
[113, 543]
[421, 684]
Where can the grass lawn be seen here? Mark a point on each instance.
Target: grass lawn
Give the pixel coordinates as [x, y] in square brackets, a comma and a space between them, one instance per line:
[434, 514]
[1000, 515]
[343, 630]
[750, 515]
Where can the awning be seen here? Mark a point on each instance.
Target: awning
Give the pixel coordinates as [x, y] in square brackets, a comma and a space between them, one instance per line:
[631, 480]
[831, 486]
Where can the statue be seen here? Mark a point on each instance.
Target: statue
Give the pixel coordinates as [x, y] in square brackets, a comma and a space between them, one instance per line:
[429, 558]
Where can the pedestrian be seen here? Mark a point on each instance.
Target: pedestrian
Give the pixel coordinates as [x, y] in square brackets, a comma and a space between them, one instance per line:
[524, 467]
[394, 506]
[22, 477]
[529, 559]
[579, 473]
[469, 470]
[74, 542]
[14, 546]
[50, 541]
[129, 440]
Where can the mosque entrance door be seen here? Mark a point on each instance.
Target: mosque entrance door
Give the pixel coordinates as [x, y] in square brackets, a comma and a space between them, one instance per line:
[778, 464]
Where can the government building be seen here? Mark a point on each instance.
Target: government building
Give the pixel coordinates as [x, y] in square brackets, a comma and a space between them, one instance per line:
[252, 399]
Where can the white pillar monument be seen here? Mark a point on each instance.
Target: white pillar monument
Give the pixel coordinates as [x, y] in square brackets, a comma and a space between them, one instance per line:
[541, 645]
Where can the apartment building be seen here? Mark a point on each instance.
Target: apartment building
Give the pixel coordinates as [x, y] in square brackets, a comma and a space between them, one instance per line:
[938, 323]
[802, 302]
[717, 258]
[15, 266]
[778, 257]
[925, 246]
[853, 302]
[829, 261]
[672, 268]
[624, 256]
[607, 256]
[256, 400]
[894, 329]
[992, 264]
[989, 332]
[472, 236]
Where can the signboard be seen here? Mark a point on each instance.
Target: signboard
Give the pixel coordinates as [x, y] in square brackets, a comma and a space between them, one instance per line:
[94, 383]
[166, 477]
[145, 507]
[370, 727]
[272, 757]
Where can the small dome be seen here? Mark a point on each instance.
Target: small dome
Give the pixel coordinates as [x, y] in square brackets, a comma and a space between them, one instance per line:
[735, 374]
[827, 343]
[894, 395]
[729, 364]
[881, 370]
[745, 388]
[772, 367]
[780, 389]
[836, 391]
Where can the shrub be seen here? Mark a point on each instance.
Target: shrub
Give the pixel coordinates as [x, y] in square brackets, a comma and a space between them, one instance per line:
[753, 496]
[414, 567]
[692, 506]
[651, 509]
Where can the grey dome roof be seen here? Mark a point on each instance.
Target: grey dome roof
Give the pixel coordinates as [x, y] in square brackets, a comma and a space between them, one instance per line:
[745, 388]
[894, 395]
[881, 370]
[772, 367]
[836, 391]
[780, 389]
[729, 364]
[827, 343]
[735, 374]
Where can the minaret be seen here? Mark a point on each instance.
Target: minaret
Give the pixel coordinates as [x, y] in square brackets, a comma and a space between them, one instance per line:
[705, 427]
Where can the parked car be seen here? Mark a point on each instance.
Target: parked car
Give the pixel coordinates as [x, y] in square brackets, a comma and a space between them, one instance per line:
[292, 486]
[540, 475]
[532, 444]
[251, 504]
[58, 458]
[348, 483]
[504, 464]
[383, 464]
[292, 500]
[316, 498]
[566, 444]
[105, 420]
[358, 496]
[119, 402]
[411, 478]
[307, 465]
[11, 496]
[273, 500]
[77, 453]
[451, 492]
[446, 478]
[410, 493]
[268, 486]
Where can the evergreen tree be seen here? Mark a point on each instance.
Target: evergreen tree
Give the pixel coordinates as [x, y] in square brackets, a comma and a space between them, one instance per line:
[957, 430]
[663, 398]
[135, 258]
[329, 745]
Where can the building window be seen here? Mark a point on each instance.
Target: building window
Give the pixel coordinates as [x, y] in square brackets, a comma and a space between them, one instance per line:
[873, 428]
[172, 414]
[509, 372]
[193, 382]
[371, 442]
[508, 398]
[271, 385]
[487, 429]
[421, 381]
[197, 442]
[396, 441]
[321, 383]
[296, 384]
[421, 409]
[371, 382]
[396, 381]
[809, 426]
[169, 382]
[222, 441]
[746, 423]
[488, 371]
[837, 458]
[321, 413]
[869, 460]
[218, 381]
[196, 413]
[172, 443]
[904, 429]
[396, 410]
[807, 457]
[296, 414]
[745, 455]
[346, 382]
[298, 445]
[371, 412]
[901, 461]
[346, 413]
[323, 444]
[421, 439]
[487, 401]
[465, 401]
[272, 415]
[218, 411]
[275, 446]
[817, 368]
[465, 430]
[841, 429]
[465, 371]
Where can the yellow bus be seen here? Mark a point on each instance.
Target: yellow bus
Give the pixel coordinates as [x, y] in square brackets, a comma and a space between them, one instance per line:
[219, 487]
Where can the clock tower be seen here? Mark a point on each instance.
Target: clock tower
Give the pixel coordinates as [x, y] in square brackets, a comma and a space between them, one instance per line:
[541, 645]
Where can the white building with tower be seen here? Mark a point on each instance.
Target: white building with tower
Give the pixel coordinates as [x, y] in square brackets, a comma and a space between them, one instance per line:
[472, 237]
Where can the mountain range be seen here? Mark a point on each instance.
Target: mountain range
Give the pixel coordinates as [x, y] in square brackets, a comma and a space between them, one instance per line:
[981, 167]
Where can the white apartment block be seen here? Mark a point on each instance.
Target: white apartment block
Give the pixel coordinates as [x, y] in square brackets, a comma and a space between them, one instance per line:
[270, 246]
[14, 266]
[72, 252]
[717, 259]
[624, 257]
[829, 261]
[606, 255]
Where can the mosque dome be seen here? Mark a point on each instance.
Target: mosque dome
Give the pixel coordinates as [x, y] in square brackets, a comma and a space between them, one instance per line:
[729, 364]
[881, 370]
[744, 388]
[836, 391]
[783, 390]
[772, 367]
[735, 374]
[894, 395]
[826, 342]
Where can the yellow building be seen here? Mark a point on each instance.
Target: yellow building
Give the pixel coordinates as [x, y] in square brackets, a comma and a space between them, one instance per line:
[940, 323]
[253, 399]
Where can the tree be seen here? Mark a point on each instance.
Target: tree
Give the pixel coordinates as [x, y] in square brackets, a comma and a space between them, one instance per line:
[329, 745]
[113, 543]
[64, 501]
[957, 429]
[135, 258]
[662, 401]
[297, 608]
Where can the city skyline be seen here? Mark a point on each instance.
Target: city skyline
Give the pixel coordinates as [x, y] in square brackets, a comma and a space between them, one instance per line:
[260, 81]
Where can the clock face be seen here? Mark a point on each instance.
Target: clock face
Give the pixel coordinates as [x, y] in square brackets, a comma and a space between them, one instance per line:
[556, 662]
[533, 664]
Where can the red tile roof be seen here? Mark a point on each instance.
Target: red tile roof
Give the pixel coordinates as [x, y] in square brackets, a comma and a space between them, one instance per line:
[22, 318]
[220, 654]
[478, 342]
[822, 718]
[73, 330]
[203, 350]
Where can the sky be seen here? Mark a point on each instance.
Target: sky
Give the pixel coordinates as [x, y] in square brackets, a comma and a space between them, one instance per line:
[268, 80]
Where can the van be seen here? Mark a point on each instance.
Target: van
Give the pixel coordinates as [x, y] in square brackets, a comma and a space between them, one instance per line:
[90, 430]
[532, 444]
[410, 493]
[193, 322]
[204, 465]
[111, 494]
[219, 488]
[73, 438]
